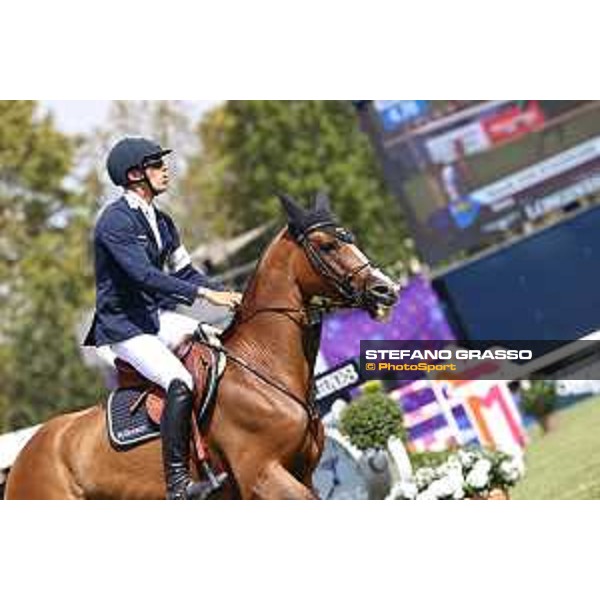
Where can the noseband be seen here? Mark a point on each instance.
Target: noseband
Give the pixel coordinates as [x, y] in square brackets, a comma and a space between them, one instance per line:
[342, 283]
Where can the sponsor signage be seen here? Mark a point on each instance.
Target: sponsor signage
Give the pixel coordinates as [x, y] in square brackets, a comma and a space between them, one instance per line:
[563, 197]
[527, 178]
[469, 173]
[462, 141]
[396, 113]
[513, 122]
[337, 382]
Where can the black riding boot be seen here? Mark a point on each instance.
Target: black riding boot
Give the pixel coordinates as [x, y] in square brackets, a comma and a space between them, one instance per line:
[176, 431]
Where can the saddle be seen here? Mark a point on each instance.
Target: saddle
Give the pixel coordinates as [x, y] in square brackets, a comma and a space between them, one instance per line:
[134, 409]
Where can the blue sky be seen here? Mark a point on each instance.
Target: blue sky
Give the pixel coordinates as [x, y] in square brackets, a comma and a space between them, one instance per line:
[81, 116]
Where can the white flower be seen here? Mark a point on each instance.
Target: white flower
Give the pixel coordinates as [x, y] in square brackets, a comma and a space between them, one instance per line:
[423, 477]
[467, 458]
[426, 495]
[453, 463]
[459, 494]
[443, 488]
[440, 471]
[483, 465]
[512, 469]
[403, 490]
[478, 479]
[519, 464]
[457, 477]
[450, 466]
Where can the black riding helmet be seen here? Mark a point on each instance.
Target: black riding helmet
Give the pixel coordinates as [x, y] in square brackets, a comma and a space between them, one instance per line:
[131, 153]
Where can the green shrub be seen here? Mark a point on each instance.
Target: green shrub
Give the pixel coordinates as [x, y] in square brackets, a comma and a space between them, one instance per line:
[370, 420]
[540, 399]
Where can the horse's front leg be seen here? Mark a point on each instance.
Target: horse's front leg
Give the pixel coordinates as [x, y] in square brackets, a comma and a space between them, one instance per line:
[276, 483]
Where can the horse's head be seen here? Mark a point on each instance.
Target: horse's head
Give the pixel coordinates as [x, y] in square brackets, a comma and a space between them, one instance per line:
[330, 264]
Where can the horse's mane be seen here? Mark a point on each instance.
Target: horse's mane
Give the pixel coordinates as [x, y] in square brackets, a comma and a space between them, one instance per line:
[226, 333]
[229, 329]
[311, 336]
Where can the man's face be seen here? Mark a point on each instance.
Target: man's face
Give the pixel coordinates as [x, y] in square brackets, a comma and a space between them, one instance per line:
[157, 172]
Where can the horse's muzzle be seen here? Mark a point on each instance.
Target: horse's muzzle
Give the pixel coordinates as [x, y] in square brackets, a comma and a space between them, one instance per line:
[381, 296]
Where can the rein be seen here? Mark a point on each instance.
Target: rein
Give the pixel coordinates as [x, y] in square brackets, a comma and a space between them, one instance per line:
[310, 315]
[308, 405]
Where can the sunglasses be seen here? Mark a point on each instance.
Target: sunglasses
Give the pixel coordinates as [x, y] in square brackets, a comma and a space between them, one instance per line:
[156, 163]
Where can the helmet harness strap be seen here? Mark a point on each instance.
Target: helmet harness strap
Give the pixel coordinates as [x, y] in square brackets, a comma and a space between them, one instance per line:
[144, 179]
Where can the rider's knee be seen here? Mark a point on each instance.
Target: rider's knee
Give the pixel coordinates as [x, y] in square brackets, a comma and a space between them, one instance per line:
[179, 385]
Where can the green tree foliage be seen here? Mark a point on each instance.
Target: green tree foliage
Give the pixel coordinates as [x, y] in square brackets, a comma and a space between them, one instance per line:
[254, 149]
[45, 278]
[34, 159]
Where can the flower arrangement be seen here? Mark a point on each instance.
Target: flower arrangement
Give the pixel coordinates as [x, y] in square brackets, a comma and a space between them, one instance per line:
[464, 474]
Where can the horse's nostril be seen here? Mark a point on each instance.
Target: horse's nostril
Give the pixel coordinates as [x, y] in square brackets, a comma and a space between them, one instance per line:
[381, 289]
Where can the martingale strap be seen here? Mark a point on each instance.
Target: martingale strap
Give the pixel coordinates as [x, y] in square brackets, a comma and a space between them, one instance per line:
[308, 405]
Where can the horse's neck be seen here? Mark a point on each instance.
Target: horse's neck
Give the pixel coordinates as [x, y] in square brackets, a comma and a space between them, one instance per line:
[281, 344]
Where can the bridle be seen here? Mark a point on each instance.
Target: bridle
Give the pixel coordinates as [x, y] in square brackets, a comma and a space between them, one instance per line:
[350, 296]
[342, 283]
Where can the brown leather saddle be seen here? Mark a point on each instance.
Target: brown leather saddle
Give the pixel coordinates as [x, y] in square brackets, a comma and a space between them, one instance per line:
[202, 362]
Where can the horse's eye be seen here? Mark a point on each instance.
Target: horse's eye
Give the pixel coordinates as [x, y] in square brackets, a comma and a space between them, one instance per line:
[328, 246]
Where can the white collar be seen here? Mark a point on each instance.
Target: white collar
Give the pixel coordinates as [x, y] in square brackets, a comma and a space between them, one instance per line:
[135, 201]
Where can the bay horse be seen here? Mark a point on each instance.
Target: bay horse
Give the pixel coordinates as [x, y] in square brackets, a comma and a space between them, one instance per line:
[264, 424]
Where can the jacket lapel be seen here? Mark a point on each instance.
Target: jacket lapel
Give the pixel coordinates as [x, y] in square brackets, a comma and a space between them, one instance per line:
[141, 219]
[163, 229]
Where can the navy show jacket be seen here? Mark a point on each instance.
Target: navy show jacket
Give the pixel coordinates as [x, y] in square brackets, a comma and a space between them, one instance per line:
[131, 284]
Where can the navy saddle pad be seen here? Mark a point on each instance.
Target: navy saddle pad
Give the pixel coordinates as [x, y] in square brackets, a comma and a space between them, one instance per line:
[126, 430]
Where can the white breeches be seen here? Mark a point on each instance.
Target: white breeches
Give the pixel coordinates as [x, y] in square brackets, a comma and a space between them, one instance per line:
[152, 355]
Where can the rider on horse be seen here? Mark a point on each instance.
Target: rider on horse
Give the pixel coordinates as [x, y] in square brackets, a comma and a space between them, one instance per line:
[142, 272]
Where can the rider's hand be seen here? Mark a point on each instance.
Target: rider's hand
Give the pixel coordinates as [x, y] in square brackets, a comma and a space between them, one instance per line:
[225, 298]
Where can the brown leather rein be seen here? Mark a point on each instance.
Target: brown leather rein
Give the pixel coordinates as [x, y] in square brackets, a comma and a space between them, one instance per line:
[310, 407]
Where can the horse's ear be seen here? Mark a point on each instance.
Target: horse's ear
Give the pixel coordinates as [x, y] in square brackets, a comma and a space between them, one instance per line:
[294, 211]
[322, 202]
